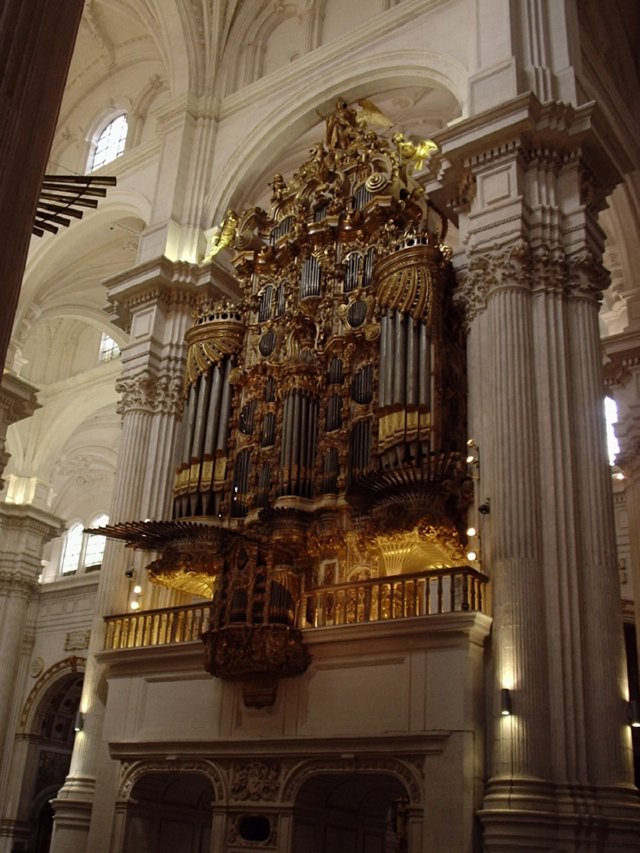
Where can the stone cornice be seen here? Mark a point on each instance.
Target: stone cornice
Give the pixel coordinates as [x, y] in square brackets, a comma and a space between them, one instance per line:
[31, 518]
[17, 398]
[303, 747]
[524, 126]
[621, 358]
[165, 281]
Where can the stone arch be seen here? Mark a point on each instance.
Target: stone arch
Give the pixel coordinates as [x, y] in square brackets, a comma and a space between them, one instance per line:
[352, 804]
[134, 771]
[293, 117]
[405, 771]
[44, 738]
[42, 690]
[158, 799]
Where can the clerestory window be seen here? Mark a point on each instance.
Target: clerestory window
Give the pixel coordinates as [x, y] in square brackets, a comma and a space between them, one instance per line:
[110, 143]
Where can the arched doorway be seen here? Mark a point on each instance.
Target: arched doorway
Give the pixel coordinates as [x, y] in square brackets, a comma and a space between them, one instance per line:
[54, 729]
[350, 813]
[169, 812]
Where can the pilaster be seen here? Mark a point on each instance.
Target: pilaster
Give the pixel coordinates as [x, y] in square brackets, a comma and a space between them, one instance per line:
[154, 302]
[527, 181]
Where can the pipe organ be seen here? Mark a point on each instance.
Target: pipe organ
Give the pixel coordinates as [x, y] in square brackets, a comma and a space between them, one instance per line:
[324, 415]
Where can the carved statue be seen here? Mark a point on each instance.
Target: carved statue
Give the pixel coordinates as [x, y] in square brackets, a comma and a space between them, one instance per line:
[342, 126]
[414, 154]
[223, 235]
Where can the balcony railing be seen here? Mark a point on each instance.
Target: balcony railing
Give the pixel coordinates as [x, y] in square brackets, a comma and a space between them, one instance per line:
[170, 625]
[400, 597]
[430, 593]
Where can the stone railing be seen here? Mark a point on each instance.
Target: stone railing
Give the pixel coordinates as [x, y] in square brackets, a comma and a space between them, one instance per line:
[430, 593]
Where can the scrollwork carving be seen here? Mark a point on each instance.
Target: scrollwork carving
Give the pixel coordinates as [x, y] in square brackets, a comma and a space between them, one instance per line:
[255, 782]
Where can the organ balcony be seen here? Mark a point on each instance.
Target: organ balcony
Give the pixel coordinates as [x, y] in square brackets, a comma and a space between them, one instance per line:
[321, 479]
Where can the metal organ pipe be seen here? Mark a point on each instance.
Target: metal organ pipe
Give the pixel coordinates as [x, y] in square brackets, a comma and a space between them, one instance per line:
[189, 420]
[304, 433]
[295, 451]
[384, 356]
[225, 408]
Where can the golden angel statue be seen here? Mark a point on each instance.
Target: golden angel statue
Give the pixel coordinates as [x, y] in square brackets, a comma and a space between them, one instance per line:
[414, 153]
[222, 235]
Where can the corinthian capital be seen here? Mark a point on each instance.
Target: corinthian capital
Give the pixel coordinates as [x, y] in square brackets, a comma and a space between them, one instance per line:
[151, 394]
[498, 269]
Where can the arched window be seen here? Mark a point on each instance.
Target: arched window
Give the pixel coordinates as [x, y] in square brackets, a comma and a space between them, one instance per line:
[82, 551]
[110, 143]
[72, 549]
[95, 544]
[109, 349]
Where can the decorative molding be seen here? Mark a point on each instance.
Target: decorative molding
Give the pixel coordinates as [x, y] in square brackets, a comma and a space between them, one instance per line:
[588, 277]
[500, 269]
[133, 772]
[42, 685]
[408, 770]
[76, 640]
[151, 395]
[256, 781]
[18, 583]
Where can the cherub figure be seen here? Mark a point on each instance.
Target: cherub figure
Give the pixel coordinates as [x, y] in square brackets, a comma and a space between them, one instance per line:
[278, 186]
[222, 235]
[414, 154]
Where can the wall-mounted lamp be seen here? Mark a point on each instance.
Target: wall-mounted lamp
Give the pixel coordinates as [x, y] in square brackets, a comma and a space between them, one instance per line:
[79, 723]
[505, 702]
[633, 713]
[485, 507]
[472, 452]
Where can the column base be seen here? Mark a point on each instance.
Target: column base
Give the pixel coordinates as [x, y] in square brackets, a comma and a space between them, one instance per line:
[526, 815]
[14, 835]
[72, 815]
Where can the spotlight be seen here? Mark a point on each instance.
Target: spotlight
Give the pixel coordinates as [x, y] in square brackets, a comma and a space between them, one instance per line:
[128, 573]
[485, 507]
[471, 556]
[134, 605]
[137, 589]
[505, 702]
[79, 723]
[471, 531]
[634, 714]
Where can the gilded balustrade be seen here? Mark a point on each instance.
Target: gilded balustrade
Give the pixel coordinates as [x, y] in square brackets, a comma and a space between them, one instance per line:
[436, 592]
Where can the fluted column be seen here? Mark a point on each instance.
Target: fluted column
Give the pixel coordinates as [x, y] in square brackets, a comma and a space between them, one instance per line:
[503, 416]
[23, 532]
[530, 280]
[155, 302]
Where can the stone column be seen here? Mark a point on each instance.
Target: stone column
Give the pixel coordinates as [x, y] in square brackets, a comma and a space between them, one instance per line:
[530, 279]
[623, 374]
[24, 530]
[154, 301]
[36, 43]
[17, 401]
